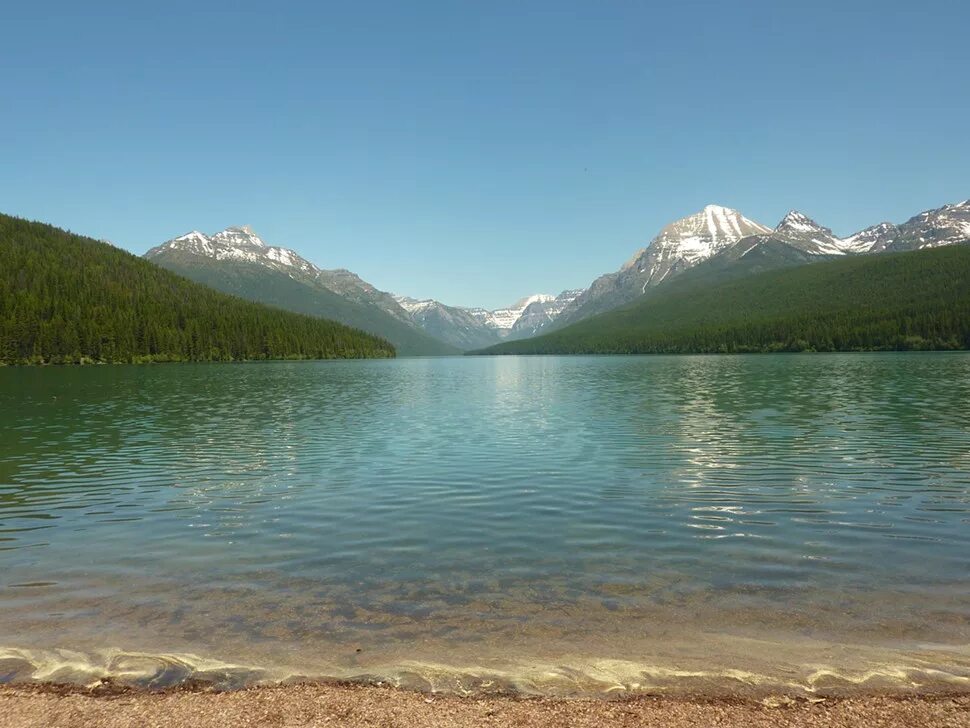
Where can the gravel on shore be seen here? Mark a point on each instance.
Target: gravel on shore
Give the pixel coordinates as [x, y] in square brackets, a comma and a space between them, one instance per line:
[360, 705]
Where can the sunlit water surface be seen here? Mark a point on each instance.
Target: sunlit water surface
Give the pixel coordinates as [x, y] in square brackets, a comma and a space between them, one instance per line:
[554, 525]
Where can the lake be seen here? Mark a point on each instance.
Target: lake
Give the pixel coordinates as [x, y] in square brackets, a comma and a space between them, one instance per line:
[555, 525]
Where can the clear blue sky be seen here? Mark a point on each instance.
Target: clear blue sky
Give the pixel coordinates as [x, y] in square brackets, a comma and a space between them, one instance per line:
[476, 152]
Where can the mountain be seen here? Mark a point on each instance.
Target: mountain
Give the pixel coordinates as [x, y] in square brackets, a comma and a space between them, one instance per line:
[947, 225]
[541, 312]
[910, 300]
[507, 318]
[750, 255]
[720, 244]
[474, 328]
[678, 247]
[873, 239]
[715, 244]
[463, 328]
[796, 240]
[803, 233]
[65, 298]
[237, 261]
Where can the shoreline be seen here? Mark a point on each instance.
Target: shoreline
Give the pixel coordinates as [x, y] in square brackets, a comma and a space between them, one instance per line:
[355, 704]
[735, 669]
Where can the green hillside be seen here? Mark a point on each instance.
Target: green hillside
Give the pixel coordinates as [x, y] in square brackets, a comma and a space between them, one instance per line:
[914, 300]
[264, 285]
[65, 298]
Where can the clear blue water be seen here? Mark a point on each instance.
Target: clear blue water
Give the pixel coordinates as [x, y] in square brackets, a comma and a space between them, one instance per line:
[546, 524]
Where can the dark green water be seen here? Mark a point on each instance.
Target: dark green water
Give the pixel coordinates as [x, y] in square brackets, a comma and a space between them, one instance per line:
[557, 525]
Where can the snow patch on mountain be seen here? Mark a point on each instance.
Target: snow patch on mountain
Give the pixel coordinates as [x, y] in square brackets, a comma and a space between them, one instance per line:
[505, 318]
[414, 305]
[239, 237]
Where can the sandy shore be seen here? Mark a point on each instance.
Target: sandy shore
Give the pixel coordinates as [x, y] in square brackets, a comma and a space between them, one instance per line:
[354, 705]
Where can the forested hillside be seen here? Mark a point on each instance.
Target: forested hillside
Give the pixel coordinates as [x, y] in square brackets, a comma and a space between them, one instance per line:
[264, 285]
[913, 300]
[65, 298]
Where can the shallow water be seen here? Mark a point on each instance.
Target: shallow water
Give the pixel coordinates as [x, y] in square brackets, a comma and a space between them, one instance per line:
[549, 524]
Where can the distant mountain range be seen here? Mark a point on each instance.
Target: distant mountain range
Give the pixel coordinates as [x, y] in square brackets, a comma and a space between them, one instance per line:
[238, 261]
[471, 328]
[717, 243]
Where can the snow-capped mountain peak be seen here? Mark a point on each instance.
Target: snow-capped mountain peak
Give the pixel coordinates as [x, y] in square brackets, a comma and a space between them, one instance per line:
[236, 243]
[723, 222]
[524, 303]
[239, 236]
[688, 241]
[713, 228]
[802, 232]
[799, 222]
[192, 242]
[699, 236]
[193, 236]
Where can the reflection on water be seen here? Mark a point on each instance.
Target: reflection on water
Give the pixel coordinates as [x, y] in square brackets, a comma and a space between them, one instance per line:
[551, 524]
